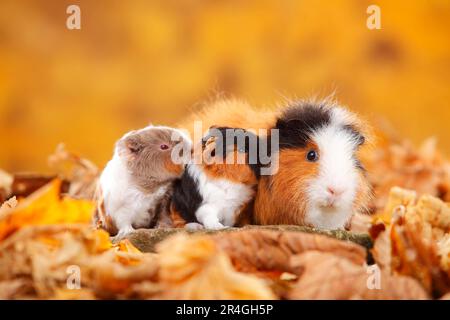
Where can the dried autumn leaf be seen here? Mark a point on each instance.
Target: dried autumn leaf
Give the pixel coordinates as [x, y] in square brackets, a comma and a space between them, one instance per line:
[125, 245]
[10, 289]
[70, 294]
[381, 251]
[252, 250]
[424, 170]
[398, 197]
[435, 212]
[81, 173]
[111, 277]
[444, 252]
[324, 275]
[360, 223]
[415, 256]
[42, 255]
[194, 267]
[45, 207]
[8, 205]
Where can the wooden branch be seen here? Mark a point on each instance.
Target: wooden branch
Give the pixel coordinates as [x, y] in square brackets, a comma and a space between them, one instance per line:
[146, 239]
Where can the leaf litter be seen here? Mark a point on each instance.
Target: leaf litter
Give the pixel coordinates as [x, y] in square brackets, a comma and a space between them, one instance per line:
[50, 250]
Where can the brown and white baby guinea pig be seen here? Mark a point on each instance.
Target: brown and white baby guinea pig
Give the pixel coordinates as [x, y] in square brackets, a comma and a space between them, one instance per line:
[136, 185]
[320, 181]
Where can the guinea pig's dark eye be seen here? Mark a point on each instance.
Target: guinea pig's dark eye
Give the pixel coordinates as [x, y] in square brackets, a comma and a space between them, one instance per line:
[164, 146]
[312, 156]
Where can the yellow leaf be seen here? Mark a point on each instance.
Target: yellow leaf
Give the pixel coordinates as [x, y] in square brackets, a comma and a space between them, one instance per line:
[126, 246]
[45, 207]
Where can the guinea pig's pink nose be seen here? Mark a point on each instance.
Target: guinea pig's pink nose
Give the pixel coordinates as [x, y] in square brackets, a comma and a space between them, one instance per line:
[334, 191]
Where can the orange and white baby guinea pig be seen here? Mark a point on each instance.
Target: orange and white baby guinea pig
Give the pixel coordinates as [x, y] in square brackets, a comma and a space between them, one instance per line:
[320, 181]
[135, 186]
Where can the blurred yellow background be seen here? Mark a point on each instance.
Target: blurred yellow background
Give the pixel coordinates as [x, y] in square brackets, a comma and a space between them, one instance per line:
[134, 62]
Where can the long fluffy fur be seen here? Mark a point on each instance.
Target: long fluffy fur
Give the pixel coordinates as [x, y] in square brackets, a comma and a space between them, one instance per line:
[283, 198]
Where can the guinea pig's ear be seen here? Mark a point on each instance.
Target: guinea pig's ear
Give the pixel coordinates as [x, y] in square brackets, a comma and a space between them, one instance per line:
[134, 145]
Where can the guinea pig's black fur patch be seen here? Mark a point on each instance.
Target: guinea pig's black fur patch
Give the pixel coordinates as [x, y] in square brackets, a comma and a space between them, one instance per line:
[224, 145]
[297, 123]
[359, 138]
[186, 197]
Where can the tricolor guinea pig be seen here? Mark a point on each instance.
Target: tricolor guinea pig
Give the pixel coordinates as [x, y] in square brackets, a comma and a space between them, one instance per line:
[217, 190]
[320, 181]
[136, 185]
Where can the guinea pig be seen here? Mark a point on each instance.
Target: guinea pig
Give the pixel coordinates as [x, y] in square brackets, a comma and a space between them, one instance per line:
[320, 181]
[136, 185]
[217, 191]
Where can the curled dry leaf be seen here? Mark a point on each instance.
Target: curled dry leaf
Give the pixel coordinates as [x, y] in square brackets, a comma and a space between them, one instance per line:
[444, 252]
[424, 170]
[360, 223]
[416, 256]
[253, 250]
[382, 252]
[435, 213]
[45, 207]
[111, 277]
[7, 206]
[194, 267]
[414, 241]
[43, 257]
[324, 275]
[81, 173]
[14, 288]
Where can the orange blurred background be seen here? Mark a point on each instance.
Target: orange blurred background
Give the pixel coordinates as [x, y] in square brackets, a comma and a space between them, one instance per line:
[134, 62]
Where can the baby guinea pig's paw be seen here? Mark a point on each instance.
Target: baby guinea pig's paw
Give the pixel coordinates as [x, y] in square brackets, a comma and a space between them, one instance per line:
[194, 226]
[123, 233]
[213, 225]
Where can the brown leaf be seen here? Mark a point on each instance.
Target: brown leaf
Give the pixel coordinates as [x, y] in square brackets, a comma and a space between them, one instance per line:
[415, 256]
[81, 173]
[8, 206]
[328, 276]
[252, 250]
[422, 169]
[194, 267]
[10, 289]
[381, 251]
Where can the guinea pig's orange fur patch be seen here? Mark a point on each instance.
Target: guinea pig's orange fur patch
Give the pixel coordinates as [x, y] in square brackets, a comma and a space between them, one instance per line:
[177, 219]
[176, 169]
[280, 198]
[101, 219]
[230, 113]
[234, 171]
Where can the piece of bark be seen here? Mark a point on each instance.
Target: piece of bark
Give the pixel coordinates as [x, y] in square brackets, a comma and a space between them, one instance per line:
[146, 239]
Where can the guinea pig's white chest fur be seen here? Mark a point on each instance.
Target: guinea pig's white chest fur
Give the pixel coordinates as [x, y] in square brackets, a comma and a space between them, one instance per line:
[127, 205]
[222, 199]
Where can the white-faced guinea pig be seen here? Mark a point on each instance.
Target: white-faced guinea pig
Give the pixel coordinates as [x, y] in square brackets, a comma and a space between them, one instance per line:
[136, 185]
[320, 181]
